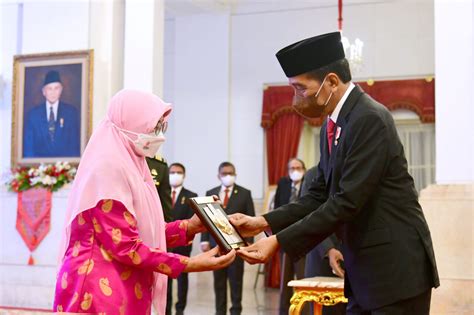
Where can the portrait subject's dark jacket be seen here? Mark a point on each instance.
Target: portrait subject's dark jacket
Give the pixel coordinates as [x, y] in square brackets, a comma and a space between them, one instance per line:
[67, 138]
[364, 193]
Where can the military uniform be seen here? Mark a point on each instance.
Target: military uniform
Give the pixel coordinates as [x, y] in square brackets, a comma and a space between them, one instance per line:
[160, 174]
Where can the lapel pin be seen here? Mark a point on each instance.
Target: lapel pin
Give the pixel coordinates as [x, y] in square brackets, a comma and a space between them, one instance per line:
[235, 191]
[61, 122]
[338, 134]
[154, 172]
[183, 200]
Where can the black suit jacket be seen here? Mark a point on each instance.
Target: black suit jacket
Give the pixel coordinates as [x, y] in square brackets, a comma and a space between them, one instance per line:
[67, 133]
[240, 201]
[364, 192]
[182, 211]
[283, 192]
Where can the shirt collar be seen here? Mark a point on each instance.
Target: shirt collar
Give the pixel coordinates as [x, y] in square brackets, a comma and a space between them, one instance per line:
[223, 188]
[55, 104]
[177, 189]
[338, 108]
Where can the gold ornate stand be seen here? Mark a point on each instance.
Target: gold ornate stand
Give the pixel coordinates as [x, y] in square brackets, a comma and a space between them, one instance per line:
[322, 291]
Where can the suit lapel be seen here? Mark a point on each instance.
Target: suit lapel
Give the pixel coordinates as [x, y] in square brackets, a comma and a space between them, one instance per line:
[178, 198]
[341, 123]
[233, 197]
[58, 131]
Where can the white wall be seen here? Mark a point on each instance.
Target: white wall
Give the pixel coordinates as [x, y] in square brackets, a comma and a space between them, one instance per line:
[454, 91]
[33, 27]
[398, 39]
[200, 134]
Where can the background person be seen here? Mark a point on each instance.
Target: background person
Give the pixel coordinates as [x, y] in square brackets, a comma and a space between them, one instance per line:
[234, 199]
[180, 211]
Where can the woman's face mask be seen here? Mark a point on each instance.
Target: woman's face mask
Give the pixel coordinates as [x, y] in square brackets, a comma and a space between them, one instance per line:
[308, 107]
[145, 144]
[149, 144]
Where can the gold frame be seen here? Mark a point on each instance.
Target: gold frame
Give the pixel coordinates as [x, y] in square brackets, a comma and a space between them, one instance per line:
[87, 58]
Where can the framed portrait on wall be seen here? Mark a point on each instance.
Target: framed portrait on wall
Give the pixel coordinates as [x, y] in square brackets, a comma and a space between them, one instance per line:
[52, 106]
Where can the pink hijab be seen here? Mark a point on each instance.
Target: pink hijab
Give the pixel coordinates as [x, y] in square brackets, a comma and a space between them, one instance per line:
[111, 169]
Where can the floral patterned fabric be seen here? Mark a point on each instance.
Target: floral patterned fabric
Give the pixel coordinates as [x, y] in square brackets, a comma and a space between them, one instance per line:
[107, 269]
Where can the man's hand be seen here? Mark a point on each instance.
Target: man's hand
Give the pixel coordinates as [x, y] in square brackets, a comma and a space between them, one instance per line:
[248, 226]
[209, 261]
[334, 257]
[259, 252]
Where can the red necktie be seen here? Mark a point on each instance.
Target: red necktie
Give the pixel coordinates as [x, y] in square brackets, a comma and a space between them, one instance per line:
[173, 198]
[330, 132]
[226, 198]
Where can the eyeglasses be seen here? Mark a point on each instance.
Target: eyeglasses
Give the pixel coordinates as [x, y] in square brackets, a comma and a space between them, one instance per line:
[161, 126]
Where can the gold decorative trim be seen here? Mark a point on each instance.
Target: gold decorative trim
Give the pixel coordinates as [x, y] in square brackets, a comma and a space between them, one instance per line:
[322, 298]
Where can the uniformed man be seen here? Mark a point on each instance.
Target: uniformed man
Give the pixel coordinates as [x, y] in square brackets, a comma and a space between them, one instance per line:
[159, 173]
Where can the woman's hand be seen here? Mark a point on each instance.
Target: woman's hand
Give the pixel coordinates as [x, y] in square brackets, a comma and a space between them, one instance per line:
[194, 226]
[209, 261]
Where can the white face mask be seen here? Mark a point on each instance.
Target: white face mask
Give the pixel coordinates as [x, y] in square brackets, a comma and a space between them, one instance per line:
[176, 179]
[228, 180]
[145, 144]
[296, 176]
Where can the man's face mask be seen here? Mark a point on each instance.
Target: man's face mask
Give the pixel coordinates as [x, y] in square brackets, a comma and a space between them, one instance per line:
[308, 107]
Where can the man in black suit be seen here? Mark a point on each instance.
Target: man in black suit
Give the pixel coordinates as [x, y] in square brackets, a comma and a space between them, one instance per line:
[234, 199]
[363, 190]
[180, 211]
[323, 260]
[288, 190]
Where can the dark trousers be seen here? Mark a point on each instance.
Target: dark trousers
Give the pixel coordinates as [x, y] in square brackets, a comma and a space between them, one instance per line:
[235, 274]
[289, 269]
[317, 266]
[182, 294]
[419, 305]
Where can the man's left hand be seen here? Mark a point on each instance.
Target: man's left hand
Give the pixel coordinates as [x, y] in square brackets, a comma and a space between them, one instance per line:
[259, 252]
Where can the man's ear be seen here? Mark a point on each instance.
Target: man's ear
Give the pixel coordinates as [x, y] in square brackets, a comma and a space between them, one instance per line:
[333, 79]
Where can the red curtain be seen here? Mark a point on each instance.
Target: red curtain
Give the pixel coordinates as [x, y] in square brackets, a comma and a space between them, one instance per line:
[282, 130]
[417, 95]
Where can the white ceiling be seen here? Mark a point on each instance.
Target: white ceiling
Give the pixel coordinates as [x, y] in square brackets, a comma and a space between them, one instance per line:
[236, 7]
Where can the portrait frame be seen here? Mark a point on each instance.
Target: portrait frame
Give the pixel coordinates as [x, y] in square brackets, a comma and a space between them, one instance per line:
[64, 133]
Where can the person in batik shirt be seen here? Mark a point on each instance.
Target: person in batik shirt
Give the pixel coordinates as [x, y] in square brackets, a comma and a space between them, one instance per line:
[113, 258]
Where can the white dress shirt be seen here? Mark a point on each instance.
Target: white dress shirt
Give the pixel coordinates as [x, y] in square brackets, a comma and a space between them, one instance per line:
[178, 191]
[338, 108]
[55, 110]
[222, 192]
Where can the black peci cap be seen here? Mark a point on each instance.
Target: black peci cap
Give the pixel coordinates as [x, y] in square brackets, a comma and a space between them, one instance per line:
[51, 76]
[311, 54]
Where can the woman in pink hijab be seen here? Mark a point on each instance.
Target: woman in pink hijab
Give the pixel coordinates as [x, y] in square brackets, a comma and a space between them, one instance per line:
[114, 258]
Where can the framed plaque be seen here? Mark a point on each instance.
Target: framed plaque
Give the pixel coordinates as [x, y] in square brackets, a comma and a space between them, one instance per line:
[215, 220]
